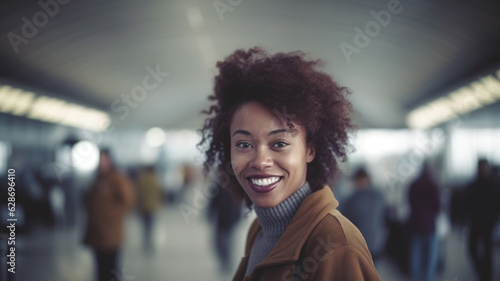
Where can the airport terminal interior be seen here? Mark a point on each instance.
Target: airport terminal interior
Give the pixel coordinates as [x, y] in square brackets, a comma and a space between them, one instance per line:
[130, 80]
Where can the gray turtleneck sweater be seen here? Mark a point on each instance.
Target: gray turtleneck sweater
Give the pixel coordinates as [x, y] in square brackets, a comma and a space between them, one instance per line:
[274, 221]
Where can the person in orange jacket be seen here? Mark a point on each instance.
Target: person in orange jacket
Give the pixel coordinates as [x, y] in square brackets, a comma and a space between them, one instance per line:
[110, 198]
[274, 136]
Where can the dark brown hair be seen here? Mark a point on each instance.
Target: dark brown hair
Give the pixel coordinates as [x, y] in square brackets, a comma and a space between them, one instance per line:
[292, 87]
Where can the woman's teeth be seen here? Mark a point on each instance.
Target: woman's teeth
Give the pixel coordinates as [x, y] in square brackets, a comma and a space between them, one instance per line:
[264, 182]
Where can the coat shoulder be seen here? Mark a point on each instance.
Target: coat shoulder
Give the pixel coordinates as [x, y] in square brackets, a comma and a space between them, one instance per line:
[331, 226]
[337, 230]
[340, 248]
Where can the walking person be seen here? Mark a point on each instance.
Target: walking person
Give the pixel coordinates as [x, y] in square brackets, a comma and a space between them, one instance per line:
[225, 212]
[149, 199]
[366, 208]
[424, 208]
[109, 199]
[482, 205]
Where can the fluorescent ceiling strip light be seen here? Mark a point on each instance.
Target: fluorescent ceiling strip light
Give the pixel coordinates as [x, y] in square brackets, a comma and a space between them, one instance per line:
[466, 99]
[48, 109]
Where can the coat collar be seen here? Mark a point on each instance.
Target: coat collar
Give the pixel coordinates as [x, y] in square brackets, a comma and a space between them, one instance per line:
[312, 210]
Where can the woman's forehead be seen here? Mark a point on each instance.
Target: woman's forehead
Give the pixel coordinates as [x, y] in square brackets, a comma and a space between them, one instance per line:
[253, 115]
[254, 119]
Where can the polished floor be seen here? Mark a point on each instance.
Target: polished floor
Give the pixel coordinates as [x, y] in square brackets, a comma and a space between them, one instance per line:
[183, 251]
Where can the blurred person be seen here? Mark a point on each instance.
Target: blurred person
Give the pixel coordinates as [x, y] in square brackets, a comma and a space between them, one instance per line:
[188, 175]
[495, 176]
[109, 199]
[482, 205]
[425, 203]
[188, 178]
[367, 210]
[149, 199]
[226, 213]
[276, 132]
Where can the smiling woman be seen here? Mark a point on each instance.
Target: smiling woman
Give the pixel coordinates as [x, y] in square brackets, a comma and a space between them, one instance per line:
[265, 155]
[279, 126]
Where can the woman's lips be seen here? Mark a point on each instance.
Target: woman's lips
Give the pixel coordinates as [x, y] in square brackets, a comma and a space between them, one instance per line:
[263, 188]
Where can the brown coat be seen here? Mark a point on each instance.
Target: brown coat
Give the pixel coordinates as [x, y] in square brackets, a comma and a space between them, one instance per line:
[319, 244]
[108, 201]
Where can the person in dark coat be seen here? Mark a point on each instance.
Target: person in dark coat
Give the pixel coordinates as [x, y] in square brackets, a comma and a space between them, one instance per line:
[482, 205]
[366, 209]
[226, 213]
[424, 208]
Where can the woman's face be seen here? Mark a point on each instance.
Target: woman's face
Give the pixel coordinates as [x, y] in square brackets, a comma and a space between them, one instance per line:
[269, 162]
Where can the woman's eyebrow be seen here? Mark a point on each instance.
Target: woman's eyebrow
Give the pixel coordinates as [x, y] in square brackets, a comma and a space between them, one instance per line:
[279, 131]
[243, 132]
[247, 133]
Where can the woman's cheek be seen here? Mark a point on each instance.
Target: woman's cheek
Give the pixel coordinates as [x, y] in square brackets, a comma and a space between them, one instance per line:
[292, 162]
[287, 159]
[237, 162]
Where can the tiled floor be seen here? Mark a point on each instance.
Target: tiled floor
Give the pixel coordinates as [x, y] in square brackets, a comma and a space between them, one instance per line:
[183, 251]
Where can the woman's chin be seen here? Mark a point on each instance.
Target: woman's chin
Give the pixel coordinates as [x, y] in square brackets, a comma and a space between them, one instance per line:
[265, 201]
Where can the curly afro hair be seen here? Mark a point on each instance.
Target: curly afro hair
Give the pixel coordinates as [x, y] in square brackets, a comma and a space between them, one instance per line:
[293, 88]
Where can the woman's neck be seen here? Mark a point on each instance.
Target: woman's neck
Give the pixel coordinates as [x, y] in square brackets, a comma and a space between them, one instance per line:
[275, 220]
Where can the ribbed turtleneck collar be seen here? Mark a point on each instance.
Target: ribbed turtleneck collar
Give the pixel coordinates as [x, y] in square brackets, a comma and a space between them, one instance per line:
[275, 220]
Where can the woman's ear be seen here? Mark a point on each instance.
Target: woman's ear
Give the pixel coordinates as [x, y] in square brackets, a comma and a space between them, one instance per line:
[311, 152]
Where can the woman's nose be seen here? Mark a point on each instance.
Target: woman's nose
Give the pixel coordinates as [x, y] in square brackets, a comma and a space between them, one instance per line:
[261, 160]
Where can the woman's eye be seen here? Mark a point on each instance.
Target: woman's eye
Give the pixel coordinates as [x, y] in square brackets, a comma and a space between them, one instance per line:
[280, 144]
[243, 145]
